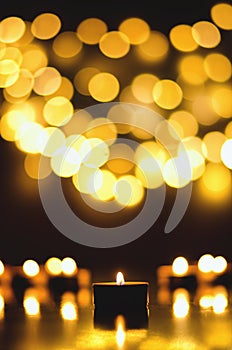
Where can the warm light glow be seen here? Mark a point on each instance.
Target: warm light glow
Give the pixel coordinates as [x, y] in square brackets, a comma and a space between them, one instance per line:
[218, 67]
[34, 58]
[177, 172]
[11, 29]
[180, 266]
[104, 87]
[167, 94]
[221, 14]
[120, 331]
[84, 297]
[45, 26]
[82, 78]
[65, 90]
[186, 121]
[50, 140]
[88, 179]
[23, 84]
[102, 128]
[206, 263]
[182, 39]
[219, 264]
[90, 30]
[53, 266]
[142, 86]
[128, 190]
[46, 81]
[155, 48]
[120, 279]
[31, 268]
[206, 301]
[104, 190]
[220, 303]
[181, 304]
[67, 45]
[98, 153]
[9, 72]
[211, 145]
[121, 158]
[69, 311]
[31, 306]
[69, 266]
[216, 178]
[66, 162]
[203, 110]
[2, 268]
[221, 102]
[191, 68]
[226, 151]
[114, 44]
[58, 111]
[136, 29]
[206, 34]
[2, 307]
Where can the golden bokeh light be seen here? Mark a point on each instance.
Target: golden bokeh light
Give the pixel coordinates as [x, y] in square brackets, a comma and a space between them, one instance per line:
[186, 121]
[122, 116]
[167, 94]
[33, 167]
[104, 87]
[204, 111]
[206, 34]
[11, 29]
[79, 144]
[205, 263]
[27, 137]
[180, 266]
[98, 153]
[228, 130]
[221, 14]
[69, 266]
[9, 72]
[45, 26]
[226, 151]
[142, 86]
[128, 190]
[87, 179]
[23, 85]
[84, 298]
[82, 78]
[121, 158]
[176, 172]
[136, 29]
[212, 144]
[65, 162]
[220, 264]
[218, 67]
[114, 44]
[69, 311]
[155, 48]
[53, 266]
[190, 91]
[90, 30]
[105, 186]
[34, 58]
[58, 111]
[26, 38]
[65, 89]
[181, 304]
[197, 163]
[67, 45]
[31, 268]
[182, 39]
[221, 102]
[50, 140]
[216, 178]
[31, 306]
[102, 128]
[12, 53]
[78, 123]
[46, 81]
[191, 68]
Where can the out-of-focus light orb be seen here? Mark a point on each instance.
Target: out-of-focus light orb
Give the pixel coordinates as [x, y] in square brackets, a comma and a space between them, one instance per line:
[33, 167]
[114, 44]
[190, 91]
[182, 39]
[45, 26]
[104, 191]
[12, 121]
[12, 53]
[149, 171]
[226, 151]
[197, 163]
[102, 128]
[23, 84]
[69, 266]
[128, 190]
[220, 264]
[206, 34]
[211, 145]
[176, 172]
[11, 29]
[31, 268]
[9, 72]
[228, 130]
[136, 29]
[220, 303]
[98, 154]
[167, 94]
[26, 38]
[66, 162]
[142, 86]
[27, 137]
[181, 308]
[53, 266]
[221, 14]
[180, 266]
[46, 81]
[104, 87]
[2, 268]
[206, 301]
[205, 263]
[221, 102]
[121, 158]
[78, 124]
[69, 311]
[155, 48]
[79, 144]
[204, 111]
[2, 305]
[218, 67]
[31, 306]
[187, 122]
[50, 140]
[67, 44]
[84, 298]
[90, 30]
[122, 116]
[87, 179]
[82, 78]
[191, 68]
[34, 58]
[216, 177]
[65, 89]
[58, 111]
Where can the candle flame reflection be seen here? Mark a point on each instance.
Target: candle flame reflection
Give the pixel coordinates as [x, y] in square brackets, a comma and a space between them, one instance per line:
[120, 279]
[120, 331]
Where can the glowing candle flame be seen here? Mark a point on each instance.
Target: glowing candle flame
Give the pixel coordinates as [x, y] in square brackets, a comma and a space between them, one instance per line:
[120, 331]
[120, 279]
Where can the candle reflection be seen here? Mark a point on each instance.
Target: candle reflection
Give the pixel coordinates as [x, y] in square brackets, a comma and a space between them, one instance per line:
[31, 306]
[181, 303]
[120, 331]
[2, 306]
[68, 307]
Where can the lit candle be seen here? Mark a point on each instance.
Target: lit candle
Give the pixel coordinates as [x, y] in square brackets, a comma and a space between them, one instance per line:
[129, 299]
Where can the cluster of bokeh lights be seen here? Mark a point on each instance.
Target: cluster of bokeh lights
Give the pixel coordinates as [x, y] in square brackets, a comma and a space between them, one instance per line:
[49, 76]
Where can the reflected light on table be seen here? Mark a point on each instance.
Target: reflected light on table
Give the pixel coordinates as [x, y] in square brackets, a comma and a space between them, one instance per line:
[31, 306]
[181, 303]
[68, 307]
[2, 306]
[120, 331]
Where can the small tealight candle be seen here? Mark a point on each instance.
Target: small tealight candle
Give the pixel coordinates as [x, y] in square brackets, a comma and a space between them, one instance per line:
[129, 299]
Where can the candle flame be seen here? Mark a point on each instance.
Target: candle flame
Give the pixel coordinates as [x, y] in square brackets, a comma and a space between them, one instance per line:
[120, 331]
[120, 279]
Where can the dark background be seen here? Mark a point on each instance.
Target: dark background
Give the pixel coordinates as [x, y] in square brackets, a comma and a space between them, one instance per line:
[26, 232]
